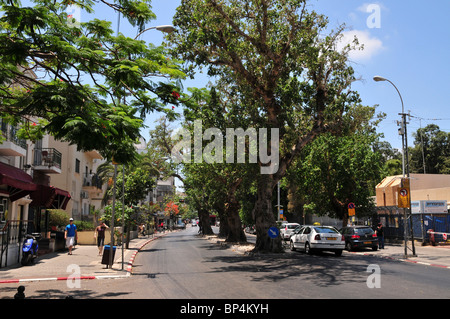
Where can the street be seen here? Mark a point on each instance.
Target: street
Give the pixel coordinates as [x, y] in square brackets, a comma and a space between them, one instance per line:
[184, 266]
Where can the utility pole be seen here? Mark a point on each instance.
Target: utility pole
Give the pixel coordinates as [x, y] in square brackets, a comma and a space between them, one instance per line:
[405, 191]
[408, 214]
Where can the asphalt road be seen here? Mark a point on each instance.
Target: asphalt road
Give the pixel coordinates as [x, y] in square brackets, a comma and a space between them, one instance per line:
[183, 267]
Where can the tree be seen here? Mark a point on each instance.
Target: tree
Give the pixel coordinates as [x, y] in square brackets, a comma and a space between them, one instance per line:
[287, 75]
[84, 84]
[432, 145]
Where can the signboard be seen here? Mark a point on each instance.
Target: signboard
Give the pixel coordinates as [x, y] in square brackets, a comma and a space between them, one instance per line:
[273, 232]
[351, 209]
[281, 213]
[429, 207]
[403, 198]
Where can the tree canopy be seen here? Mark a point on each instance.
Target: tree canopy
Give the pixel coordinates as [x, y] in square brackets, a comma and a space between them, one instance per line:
[80, 82]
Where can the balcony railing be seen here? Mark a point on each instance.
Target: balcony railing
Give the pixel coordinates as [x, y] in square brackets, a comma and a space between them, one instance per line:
[11, 145]
[47, 160]
[92, 180]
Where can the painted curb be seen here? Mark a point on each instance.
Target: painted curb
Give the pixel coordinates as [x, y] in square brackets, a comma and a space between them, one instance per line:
[128, 274]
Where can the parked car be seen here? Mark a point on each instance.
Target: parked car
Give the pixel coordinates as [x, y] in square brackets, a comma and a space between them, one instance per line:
[250, 229]
[359, 237]
[287, 230]
[317, 238]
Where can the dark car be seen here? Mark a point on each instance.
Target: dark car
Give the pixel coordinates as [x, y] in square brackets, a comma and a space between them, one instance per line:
[359, 237]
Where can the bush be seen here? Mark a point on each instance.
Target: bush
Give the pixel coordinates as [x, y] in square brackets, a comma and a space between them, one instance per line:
[58, 218]
[83, 225]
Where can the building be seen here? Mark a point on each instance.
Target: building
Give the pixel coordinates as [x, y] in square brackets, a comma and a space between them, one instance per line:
[427, 190]
[79, 177]
[423, 187]
[36, 177]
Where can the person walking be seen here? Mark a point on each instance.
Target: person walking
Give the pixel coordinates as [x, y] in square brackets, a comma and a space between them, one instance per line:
[99, 235]
[380, 235]
[70, 235]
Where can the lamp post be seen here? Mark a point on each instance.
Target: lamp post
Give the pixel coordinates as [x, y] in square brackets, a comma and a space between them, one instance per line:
[405, 162]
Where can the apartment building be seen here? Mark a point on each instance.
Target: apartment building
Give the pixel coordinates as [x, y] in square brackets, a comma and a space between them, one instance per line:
[38, 176]
[79, 177]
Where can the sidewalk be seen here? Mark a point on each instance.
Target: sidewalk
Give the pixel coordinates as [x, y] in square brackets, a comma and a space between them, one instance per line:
[436, 256]
[84, 263]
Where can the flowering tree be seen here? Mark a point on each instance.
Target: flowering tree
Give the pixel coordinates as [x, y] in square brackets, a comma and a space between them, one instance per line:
[85, 84]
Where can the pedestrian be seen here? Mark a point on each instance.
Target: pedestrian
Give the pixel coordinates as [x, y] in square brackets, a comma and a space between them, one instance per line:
[20, 293]
[380, 235]
[70, 235]
[99, 235]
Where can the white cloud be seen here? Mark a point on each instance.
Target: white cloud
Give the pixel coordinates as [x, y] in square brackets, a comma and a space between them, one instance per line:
[372, 45]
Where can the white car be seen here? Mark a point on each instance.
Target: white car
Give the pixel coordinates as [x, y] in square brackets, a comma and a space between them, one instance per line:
[287, 230]
[317, 238]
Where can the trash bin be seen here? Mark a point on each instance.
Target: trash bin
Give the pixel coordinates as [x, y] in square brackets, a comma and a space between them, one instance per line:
[106, 250]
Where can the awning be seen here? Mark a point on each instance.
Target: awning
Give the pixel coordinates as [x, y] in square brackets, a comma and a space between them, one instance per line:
[19, 183]
[50, 197]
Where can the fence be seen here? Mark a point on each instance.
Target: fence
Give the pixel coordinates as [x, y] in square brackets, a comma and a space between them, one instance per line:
[422, 225]
[12, 235]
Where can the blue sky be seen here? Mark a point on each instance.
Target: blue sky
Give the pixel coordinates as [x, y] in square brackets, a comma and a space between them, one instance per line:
[407, 42]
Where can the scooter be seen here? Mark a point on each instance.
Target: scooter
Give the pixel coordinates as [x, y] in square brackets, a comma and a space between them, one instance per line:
[30, 248]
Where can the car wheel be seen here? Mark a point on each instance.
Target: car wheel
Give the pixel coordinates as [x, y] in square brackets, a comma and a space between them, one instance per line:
[375, 248]
[291, 244]
[308, 249]
[338, 253]
[349, 247]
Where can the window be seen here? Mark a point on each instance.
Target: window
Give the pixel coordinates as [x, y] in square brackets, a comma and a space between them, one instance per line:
[326, 230]
[3, 209]
[77, 166]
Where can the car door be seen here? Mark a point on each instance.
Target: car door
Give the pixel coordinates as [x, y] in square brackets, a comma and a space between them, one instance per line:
[296, 236]
[304, 237]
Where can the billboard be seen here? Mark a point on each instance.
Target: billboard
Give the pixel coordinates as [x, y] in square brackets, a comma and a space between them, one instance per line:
[429, 207]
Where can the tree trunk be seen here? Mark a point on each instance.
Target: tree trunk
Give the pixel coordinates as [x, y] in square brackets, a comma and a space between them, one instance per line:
[203, 216]
[264, 218]
[235, 231]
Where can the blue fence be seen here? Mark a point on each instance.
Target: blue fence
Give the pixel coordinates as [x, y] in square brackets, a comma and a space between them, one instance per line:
[421, 224]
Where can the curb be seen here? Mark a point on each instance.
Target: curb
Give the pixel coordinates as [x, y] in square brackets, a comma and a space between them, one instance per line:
[128, 270]
[403, 260]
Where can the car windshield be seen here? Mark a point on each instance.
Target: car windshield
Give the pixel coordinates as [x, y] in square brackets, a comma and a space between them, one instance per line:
[325, 230]
[292, 226]
[365, 231]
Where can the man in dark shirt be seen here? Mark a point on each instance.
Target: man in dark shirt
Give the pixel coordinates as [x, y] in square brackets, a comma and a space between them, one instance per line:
[380, 235]
[100, 236]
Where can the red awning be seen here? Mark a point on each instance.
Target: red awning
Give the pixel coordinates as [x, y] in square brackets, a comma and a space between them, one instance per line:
[19, 183]
[50, 197]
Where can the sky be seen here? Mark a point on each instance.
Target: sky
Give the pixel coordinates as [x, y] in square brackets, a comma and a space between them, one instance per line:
[407, 42]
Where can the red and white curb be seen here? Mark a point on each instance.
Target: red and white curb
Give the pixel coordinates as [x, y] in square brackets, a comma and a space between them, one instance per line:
[74, 278]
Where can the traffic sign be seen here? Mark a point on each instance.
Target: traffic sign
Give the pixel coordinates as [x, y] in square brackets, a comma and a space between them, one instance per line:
[403, 197]
[351, 209]
[273, 232]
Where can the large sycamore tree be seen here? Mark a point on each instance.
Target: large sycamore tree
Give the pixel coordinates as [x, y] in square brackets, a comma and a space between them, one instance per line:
[80, 81]
[288, 71]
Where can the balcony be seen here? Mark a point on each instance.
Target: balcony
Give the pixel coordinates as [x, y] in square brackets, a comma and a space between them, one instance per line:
[92, 182]
[47, 160]
[12, 146]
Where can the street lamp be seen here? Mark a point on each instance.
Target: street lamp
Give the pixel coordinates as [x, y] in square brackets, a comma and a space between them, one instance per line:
[404, 134]
[378, 78]
[162, 28]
